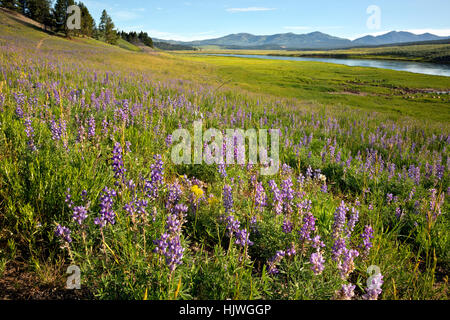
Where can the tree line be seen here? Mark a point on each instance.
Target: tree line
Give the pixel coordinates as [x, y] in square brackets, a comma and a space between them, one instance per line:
[54, 18]
[134, 37]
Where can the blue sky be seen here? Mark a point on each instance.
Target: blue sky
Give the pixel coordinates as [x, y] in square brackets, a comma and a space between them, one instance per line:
[188, 20]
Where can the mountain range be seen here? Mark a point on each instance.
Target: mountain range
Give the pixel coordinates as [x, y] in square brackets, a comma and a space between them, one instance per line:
[314, 40]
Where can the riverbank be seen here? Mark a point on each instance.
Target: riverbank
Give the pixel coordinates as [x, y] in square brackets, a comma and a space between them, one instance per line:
[433, 53]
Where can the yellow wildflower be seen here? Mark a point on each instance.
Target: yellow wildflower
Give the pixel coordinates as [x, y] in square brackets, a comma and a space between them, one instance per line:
[197, 191]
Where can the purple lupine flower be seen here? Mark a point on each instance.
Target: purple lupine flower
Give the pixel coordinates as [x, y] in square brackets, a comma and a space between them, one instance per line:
[118, 166]
[305, 206]
[274, 261]
[79, 214]
[63, 232]
[130, 208]
[347, 292]
[254, 224]
[174, 253]
[412, 193]
[228, 199]
[277, 198]
[222, 170]
[174, 195]
[352, 222]
[2, 101]
[107, 214]
[169, 244]
[338, 248]
[399, 213]
[173, 224]
[389, 198]
[308, 227]
[260, 197]
[91, 127]
[291, 251]
[127, 146]
[161, 244]
[83, 195]
[242, 238]
[317, 243]
[81, 134]
[286, 169]
[141, 206]
[288, 226]
[30, 133]
[180, 209]
[339, 219]
[232, 225]
[105, 126]
[373, 289]
[436, 203]
[19, 112]
[309, 173]
[440, 171]
[153, 185]
[287, 194]
[366, 236]
[168, 141]
[324, 188]
[68, 198]
[317, 262]
[346, 266]
[57, 130]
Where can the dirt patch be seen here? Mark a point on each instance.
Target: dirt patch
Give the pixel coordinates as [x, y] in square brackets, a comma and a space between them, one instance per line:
[18, 283]
[40, 43]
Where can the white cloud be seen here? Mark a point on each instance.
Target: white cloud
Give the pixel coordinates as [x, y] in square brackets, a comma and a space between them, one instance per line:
[249, 9]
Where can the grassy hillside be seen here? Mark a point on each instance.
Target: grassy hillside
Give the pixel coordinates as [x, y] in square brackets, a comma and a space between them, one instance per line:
[87, 176]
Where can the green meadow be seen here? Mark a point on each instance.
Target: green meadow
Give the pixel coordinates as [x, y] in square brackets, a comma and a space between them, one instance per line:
[391, 92]
[87, 178]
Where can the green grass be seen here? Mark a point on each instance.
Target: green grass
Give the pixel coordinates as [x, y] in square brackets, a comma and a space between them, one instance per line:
[71, 80]
[393, 92]
[128, 46]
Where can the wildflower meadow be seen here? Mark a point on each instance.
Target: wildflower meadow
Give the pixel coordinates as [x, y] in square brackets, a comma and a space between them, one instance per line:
[356, 210]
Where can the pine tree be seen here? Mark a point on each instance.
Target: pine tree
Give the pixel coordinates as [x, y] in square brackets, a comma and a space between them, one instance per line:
[39, 10]
[87, 22]
[60, 16]
[9, 4]
[102, 24]
[22, 6]
[106, 28]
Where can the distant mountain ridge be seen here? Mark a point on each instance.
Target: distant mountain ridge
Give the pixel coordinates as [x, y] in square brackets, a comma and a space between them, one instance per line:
[313, 40]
